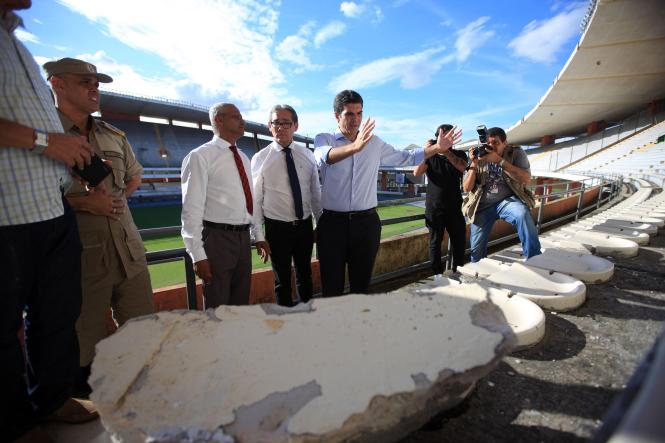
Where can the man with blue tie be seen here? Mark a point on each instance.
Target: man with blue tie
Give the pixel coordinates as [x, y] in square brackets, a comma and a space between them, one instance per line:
[349, 230]
[286, 196]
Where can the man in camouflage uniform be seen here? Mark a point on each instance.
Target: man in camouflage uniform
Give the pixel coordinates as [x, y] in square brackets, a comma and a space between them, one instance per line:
[114, 269]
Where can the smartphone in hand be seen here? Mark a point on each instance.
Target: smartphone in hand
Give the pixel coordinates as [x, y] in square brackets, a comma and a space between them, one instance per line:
[95, 172]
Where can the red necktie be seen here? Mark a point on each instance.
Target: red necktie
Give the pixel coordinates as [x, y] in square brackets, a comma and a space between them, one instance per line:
[243, 179]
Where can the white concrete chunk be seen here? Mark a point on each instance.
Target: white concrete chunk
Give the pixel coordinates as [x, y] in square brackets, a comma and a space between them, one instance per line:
[354, 368]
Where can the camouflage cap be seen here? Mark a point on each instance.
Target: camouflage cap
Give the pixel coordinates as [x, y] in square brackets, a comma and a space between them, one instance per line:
[74, 66]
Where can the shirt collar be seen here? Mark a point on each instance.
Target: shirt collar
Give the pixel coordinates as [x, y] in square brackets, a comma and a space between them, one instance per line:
[68, 124]
[219, 141]
[340, 136]
[277, 147]
[11, 22]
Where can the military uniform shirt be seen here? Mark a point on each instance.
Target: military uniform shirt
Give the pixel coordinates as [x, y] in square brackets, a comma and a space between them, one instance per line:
[98, 232]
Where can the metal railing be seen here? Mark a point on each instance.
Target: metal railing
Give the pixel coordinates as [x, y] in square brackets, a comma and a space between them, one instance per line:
[609, 188]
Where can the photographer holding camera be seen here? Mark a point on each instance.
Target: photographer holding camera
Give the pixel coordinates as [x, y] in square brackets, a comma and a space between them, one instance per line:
[443, 204]
[496, 180]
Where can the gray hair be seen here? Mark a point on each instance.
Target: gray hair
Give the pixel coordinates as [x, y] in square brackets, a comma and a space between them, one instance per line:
[289, 108]
[214, 111]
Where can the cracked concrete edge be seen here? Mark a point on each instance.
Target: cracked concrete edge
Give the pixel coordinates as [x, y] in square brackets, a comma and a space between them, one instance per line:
[272, 309]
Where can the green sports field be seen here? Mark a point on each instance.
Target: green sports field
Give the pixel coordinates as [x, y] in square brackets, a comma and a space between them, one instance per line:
[166, 274]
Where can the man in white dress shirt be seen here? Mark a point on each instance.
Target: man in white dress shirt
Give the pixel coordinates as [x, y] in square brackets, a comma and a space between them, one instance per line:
[217, 208]
[349, 230]
[287, 194]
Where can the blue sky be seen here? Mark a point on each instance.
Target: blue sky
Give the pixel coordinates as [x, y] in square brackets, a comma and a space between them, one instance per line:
[417, 63]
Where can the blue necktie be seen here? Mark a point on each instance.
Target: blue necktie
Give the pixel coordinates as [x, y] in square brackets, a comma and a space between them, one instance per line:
[295, 184]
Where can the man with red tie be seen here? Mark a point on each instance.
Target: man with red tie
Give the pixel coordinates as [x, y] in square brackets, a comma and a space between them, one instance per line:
[217, 209]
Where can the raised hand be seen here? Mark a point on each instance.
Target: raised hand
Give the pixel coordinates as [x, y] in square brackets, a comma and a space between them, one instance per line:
[450, 138]
[365, 134]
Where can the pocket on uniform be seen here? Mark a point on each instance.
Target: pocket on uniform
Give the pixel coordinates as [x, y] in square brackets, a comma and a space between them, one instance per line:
[136, 248]
[93, 256]
[118, 165]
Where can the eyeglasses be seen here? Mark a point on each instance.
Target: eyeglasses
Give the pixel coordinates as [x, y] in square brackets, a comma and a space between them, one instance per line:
[277, 124]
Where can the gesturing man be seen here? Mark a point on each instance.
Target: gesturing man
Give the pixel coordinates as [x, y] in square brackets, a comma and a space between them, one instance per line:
[287, 195]
[114, 268]
[349, 230]
[217, 211]
[443, 204]
[496, 184]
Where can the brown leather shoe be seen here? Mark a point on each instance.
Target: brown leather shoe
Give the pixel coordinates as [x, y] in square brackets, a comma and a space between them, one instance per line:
[75, 411]
[35, 435]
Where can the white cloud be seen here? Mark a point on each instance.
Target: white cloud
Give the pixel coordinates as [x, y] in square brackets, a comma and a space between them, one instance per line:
[26, 36]
[331, 30]
[294, 48]
[227, 55]
[471, 37]
[351, 9]
[413, 71]
[378, 15]
[539, 41]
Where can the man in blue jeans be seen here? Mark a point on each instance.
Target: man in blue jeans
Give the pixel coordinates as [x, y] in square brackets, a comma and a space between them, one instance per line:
[496, 185]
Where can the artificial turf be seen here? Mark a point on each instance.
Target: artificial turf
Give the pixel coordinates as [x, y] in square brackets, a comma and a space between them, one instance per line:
[166, 274]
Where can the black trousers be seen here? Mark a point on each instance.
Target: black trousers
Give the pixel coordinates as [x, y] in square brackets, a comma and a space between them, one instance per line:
[438, 221]
[40, 273]
[291, 242]
[347, 239]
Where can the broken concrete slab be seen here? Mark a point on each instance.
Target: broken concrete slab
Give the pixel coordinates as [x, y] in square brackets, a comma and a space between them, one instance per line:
[354, 368]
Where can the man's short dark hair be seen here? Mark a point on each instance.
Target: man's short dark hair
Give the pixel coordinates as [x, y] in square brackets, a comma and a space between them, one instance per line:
[446, 127]
[294, 114]
[344, 98]
[497, 132]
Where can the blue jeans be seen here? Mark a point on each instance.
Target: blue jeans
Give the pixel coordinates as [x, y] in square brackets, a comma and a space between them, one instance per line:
[515, 212]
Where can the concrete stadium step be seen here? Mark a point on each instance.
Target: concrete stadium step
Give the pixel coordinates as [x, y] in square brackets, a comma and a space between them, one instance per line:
[548, 289]
[587, 268]
[625, 224]
[557, 243]
[600, 243]
[641, 238]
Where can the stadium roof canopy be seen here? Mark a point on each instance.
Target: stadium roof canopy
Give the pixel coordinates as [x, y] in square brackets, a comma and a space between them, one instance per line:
[115, 102]
[617, 68]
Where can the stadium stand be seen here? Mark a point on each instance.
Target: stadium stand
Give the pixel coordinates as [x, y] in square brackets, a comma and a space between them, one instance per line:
[561, 155]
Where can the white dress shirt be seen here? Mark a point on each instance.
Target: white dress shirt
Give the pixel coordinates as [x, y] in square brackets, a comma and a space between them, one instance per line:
[273, 197]
[350, 184]
[212, 191]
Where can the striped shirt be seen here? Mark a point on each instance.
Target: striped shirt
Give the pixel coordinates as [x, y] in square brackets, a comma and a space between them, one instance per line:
[30, 184]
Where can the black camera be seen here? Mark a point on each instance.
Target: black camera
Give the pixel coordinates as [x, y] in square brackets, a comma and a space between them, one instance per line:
[481, 150]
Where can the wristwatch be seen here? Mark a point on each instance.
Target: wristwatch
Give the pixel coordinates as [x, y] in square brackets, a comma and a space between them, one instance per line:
[41, 141]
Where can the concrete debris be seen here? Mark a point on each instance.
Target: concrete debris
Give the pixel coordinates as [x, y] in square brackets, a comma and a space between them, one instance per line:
[354, 368]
